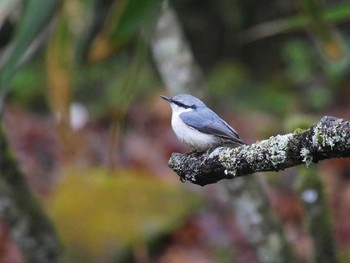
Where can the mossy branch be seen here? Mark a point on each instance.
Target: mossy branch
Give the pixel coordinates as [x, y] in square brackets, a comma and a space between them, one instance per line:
[329, 138]
[29, 227]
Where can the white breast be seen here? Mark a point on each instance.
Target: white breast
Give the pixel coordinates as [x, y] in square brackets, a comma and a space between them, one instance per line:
[190, 136]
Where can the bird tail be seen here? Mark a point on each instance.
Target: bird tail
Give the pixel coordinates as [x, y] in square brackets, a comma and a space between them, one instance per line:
[234, 141]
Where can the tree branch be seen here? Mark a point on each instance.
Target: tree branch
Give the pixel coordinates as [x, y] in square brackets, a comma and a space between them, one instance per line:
[29, 227]
[329, 138]
[173, 56]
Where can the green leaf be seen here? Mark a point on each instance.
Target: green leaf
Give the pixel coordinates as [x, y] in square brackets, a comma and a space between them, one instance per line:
[37, 15]
[97, 213]
[133, 16]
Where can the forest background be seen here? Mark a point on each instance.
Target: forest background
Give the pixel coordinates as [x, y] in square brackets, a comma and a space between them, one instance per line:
[79, 97]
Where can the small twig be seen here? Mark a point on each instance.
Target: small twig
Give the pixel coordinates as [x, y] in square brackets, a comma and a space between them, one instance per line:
[329, 138]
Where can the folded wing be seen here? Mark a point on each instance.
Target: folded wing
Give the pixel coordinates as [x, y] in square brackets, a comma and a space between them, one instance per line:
[210, 123]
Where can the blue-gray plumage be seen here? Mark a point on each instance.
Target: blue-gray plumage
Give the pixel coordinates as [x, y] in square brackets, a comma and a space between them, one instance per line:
[198, 126]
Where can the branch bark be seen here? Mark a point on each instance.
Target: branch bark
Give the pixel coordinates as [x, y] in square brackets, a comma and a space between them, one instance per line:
[329, 138]
[173, 56]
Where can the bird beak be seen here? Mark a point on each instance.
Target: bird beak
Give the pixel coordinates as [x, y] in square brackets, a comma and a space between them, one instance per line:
[166, 98]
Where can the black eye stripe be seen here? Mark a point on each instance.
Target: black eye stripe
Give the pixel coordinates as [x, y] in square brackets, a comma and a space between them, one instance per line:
[180, 104]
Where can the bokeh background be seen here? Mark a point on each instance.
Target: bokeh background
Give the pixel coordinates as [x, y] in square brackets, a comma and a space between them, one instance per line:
[80, 84]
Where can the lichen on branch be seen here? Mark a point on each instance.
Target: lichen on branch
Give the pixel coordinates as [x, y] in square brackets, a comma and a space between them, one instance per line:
[329, 138]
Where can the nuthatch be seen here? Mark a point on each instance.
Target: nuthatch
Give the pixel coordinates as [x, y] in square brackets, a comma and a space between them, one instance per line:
[197, 126]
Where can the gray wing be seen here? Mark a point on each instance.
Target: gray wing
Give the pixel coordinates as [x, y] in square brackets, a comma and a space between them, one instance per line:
[210, 123]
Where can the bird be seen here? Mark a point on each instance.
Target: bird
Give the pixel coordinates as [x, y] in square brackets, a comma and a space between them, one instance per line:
[197, 126]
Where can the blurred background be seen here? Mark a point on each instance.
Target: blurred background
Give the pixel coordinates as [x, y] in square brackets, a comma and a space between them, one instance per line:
[79, 94]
